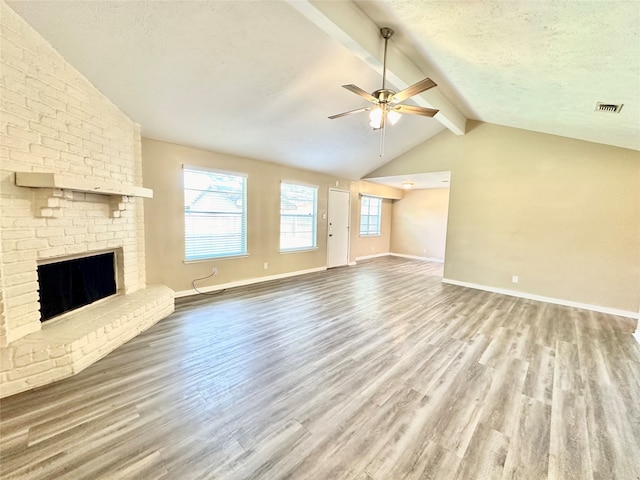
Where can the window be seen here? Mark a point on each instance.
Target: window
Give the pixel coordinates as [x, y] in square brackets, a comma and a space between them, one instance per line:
[298, 206]
[370, 212]
[215, 214]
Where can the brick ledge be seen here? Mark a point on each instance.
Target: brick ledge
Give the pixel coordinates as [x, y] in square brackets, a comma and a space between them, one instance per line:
[63, 348]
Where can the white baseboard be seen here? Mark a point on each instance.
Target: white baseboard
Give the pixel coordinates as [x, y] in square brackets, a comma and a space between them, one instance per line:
[351, 264]
[540, 298]
[248, 281]
[386, 254]
[416, 257]
[375, 255]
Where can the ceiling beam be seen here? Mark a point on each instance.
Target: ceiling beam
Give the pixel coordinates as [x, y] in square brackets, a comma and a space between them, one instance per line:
[347, 24]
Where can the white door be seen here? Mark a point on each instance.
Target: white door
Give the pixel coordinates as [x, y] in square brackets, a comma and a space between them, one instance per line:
[338, 228]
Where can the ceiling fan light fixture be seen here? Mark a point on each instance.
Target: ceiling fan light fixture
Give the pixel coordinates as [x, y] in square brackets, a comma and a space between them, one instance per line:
[375, 117]
[393, 116]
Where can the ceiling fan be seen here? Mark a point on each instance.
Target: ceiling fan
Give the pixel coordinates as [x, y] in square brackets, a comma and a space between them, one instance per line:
[387, 102]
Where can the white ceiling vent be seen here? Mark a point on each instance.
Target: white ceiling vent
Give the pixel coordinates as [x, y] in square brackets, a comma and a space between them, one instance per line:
[608, 107]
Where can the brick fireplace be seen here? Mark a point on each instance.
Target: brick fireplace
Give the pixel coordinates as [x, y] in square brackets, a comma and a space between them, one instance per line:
[70, 185]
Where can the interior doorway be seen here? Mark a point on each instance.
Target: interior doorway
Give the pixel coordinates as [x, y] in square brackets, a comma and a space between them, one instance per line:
[419, 221]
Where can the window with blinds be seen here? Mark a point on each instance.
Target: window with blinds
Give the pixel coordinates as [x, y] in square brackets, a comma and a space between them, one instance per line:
[298, 207]
[215, 214]
[370, 213]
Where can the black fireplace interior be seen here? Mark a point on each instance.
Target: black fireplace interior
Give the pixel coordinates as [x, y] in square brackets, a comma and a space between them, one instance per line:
[71, 284]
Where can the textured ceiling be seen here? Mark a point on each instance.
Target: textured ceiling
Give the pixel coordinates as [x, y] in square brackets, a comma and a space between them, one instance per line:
[535, 65]
[254, 79]
[258, 78]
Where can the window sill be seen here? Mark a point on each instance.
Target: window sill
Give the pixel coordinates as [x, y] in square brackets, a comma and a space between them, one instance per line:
[215, 259]
[371, 236]
[299, 250]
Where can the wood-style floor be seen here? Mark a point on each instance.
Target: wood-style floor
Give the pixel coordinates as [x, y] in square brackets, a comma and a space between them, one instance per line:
[370, 372]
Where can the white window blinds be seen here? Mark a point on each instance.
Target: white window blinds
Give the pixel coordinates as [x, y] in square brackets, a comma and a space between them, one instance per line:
[215, 214]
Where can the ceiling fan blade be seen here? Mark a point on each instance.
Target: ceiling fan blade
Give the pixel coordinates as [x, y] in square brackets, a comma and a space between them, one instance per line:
[358, 91]
[366, 109]
[421, 86]
[411, 110]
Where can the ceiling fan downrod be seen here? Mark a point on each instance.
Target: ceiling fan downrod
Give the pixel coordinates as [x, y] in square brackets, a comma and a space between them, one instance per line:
[386, 33]
[383, 94]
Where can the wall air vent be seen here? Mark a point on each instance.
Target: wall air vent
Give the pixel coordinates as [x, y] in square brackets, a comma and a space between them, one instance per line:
[608, 107]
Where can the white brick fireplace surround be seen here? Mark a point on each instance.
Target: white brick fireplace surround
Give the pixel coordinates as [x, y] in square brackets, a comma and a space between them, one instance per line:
[77, 162]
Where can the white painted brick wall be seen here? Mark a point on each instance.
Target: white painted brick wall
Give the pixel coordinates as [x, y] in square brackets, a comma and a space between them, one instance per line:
[53, 120]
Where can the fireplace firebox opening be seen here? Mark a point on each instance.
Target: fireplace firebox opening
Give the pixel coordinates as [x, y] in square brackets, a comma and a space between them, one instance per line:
[70, 284]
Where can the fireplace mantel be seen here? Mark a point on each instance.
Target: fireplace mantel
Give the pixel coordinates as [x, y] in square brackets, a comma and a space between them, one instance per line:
[62, 187]
[77, 184]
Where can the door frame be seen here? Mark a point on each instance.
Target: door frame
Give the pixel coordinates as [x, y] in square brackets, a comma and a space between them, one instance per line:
[348, 222]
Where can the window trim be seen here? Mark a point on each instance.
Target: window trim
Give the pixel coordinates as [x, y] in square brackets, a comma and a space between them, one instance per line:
[244, 216]
[378, 232]
[306, 248]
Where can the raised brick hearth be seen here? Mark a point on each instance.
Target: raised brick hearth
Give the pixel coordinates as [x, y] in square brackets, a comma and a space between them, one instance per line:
[65, 347]
[54, 121]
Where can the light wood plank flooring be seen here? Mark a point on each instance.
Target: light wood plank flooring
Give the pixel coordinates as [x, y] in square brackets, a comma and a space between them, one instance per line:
[370, 372]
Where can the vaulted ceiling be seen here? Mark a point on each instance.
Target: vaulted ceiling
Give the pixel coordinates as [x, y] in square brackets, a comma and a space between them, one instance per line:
[259, 78]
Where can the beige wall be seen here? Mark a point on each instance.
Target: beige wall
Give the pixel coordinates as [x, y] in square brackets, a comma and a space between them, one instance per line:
[164, 218]
[562, 214]
[369, 188]
[419, 223]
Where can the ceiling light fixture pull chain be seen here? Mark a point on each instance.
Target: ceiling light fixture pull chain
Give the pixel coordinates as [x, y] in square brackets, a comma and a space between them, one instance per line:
[382, 135]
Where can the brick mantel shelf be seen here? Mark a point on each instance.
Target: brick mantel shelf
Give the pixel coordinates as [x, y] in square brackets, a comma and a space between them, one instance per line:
[77, 184]
[62, 187]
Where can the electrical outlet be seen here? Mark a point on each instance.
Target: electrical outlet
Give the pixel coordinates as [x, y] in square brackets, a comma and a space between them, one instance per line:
[514, 279]
[214, 271]
[266, 265]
